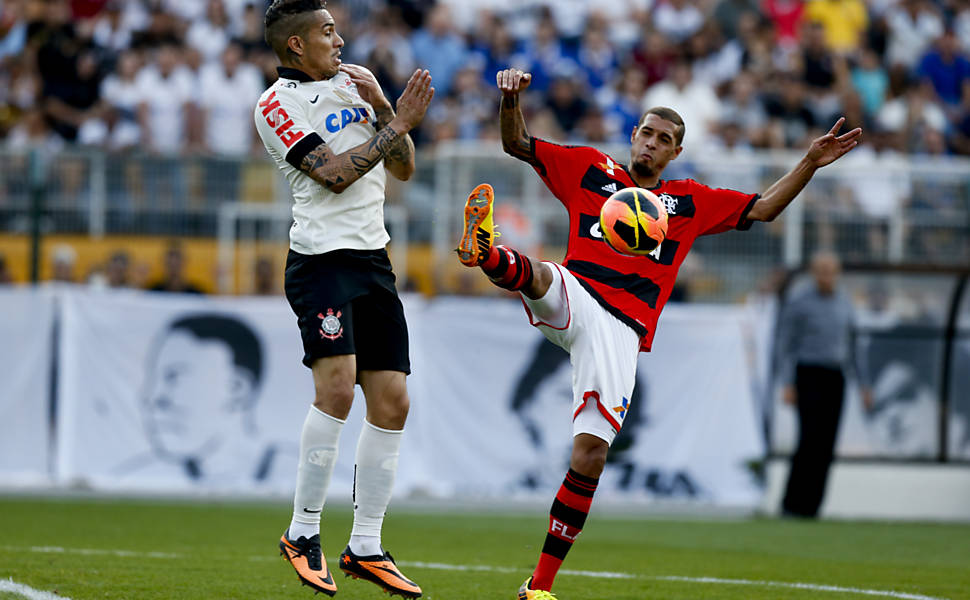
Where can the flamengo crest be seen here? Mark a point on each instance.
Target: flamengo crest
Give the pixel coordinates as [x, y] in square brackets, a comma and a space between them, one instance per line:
[670, 203]
[330, 326]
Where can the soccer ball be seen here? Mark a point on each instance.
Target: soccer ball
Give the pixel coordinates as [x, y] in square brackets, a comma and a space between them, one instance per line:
[633, 221]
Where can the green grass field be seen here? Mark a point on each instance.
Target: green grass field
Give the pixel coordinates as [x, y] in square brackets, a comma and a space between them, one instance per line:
[147, 550]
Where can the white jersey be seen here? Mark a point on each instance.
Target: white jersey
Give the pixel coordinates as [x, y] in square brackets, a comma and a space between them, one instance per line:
[292, 117]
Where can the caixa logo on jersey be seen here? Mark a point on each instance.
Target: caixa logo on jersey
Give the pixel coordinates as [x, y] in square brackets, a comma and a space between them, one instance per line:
[589, 228]
[336, 121]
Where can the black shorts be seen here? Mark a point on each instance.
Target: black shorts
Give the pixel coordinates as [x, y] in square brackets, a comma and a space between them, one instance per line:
[346, 303]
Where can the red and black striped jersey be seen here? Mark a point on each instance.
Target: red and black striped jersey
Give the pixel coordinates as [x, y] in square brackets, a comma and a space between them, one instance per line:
[632, 288]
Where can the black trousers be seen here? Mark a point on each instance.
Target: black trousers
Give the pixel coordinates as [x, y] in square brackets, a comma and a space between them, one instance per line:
[820, 395]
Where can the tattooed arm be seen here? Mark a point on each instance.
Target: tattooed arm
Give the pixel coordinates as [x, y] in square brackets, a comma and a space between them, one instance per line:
[399, 159]
[338, 171]
[515, 138]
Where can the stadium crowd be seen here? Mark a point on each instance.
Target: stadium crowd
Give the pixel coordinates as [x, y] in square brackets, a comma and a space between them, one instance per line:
[175, 76]
[162, 80]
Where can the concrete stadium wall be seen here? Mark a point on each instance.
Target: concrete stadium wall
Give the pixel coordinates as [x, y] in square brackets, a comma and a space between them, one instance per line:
[875, 490]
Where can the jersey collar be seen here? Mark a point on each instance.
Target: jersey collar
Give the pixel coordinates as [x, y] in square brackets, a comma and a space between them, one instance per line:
[291, 73]
[660, 182]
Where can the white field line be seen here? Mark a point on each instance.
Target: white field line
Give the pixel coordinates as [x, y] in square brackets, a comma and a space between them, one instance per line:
[709, 580]
[814, 587]
[18, 589]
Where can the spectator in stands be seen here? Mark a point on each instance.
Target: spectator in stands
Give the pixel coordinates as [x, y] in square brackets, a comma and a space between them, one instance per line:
[621, 102]
[947, 68]
[596, 55]
[166, 92]
[438, 48]
[13, 30]
[174, 279]
[696, 103]
[790, 119]
[786, 18]
[567, 98]
[654, 54]
[761, 54]
[593, 128]
[111, 31]
[716, 61]
[678, 19]
[961, 26]
[544, 53]
[250, 31]
[871, 81]
[912, 27]
[844, 23]
[474, 104]
[210, 35]
[960, 135]
[167, 115]
[228, 90]
[6, 277]
[63, 263]
[266, 282]
[744, 108]
[497, 48]
[727, 14]
[68, 68]
[121, 97]
[816, 347]
[33, 132]
[908, 114]
[385, 48]
[117, 270]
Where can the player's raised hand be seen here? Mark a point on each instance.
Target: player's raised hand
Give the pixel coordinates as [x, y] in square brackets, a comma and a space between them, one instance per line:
[512, 81]
[415, 99]
[367, 85]
[830, 147]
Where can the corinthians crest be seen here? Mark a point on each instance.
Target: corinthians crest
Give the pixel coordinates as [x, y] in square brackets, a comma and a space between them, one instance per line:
[330, 326]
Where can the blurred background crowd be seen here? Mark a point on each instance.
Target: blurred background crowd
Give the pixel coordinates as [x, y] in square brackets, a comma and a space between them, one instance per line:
[168, 87]
[171, 76]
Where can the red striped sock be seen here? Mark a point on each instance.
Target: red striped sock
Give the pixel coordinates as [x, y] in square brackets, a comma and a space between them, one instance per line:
[566, 520]
[507, 268]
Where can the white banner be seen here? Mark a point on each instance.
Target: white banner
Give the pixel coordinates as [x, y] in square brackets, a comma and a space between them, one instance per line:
[26, 348]
[178, 393]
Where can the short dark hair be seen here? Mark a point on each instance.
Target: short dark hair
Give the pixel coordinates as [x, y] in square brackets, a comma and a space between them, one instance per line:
[667, 114]
[285, 18]
[247, 352]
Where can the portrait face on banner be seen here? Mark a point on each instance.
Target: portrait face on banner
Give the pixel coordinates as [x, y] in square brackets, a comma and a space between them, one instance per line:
[202, 383]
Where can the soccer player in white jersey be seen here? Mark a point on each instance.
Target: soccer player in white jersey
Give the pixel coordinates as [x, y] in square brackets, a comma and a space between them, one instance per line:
[328, 125]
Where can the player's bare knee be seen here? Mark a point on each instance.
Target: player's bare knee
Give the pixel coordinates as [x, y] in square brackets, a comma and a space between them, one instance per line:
[390, 411]
[335, 398]
[589, 455]
[541, 280]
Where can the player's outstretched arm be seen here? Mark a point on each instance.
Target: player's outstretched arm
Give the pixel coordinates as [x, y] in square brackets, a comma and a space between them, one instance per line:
[823, 151]
[399, 159]
[338, 171]
[515, 138]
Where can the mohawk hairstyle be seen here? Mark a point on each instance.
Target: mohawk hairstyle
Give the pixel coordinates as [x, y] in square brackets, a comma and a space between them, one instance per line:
[285, 18]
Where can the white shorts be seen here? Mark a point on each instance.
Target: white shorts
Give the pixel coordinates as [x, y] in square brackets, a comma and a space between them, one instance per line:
[602, 349]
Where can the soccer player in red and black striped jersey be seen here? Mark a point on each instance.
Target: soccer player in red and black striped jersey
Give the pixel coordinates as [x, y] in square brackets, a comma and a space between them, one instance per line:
[601, 306]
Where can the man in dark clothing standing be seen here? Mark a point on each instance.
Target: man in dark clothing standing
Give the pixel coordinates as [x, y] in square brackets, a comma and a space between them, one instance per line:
[816, 348]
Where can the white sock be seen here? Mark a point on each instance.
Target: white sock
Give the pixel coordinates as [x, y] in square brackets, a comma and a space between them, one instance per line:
[377, 452]
[318, 454]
